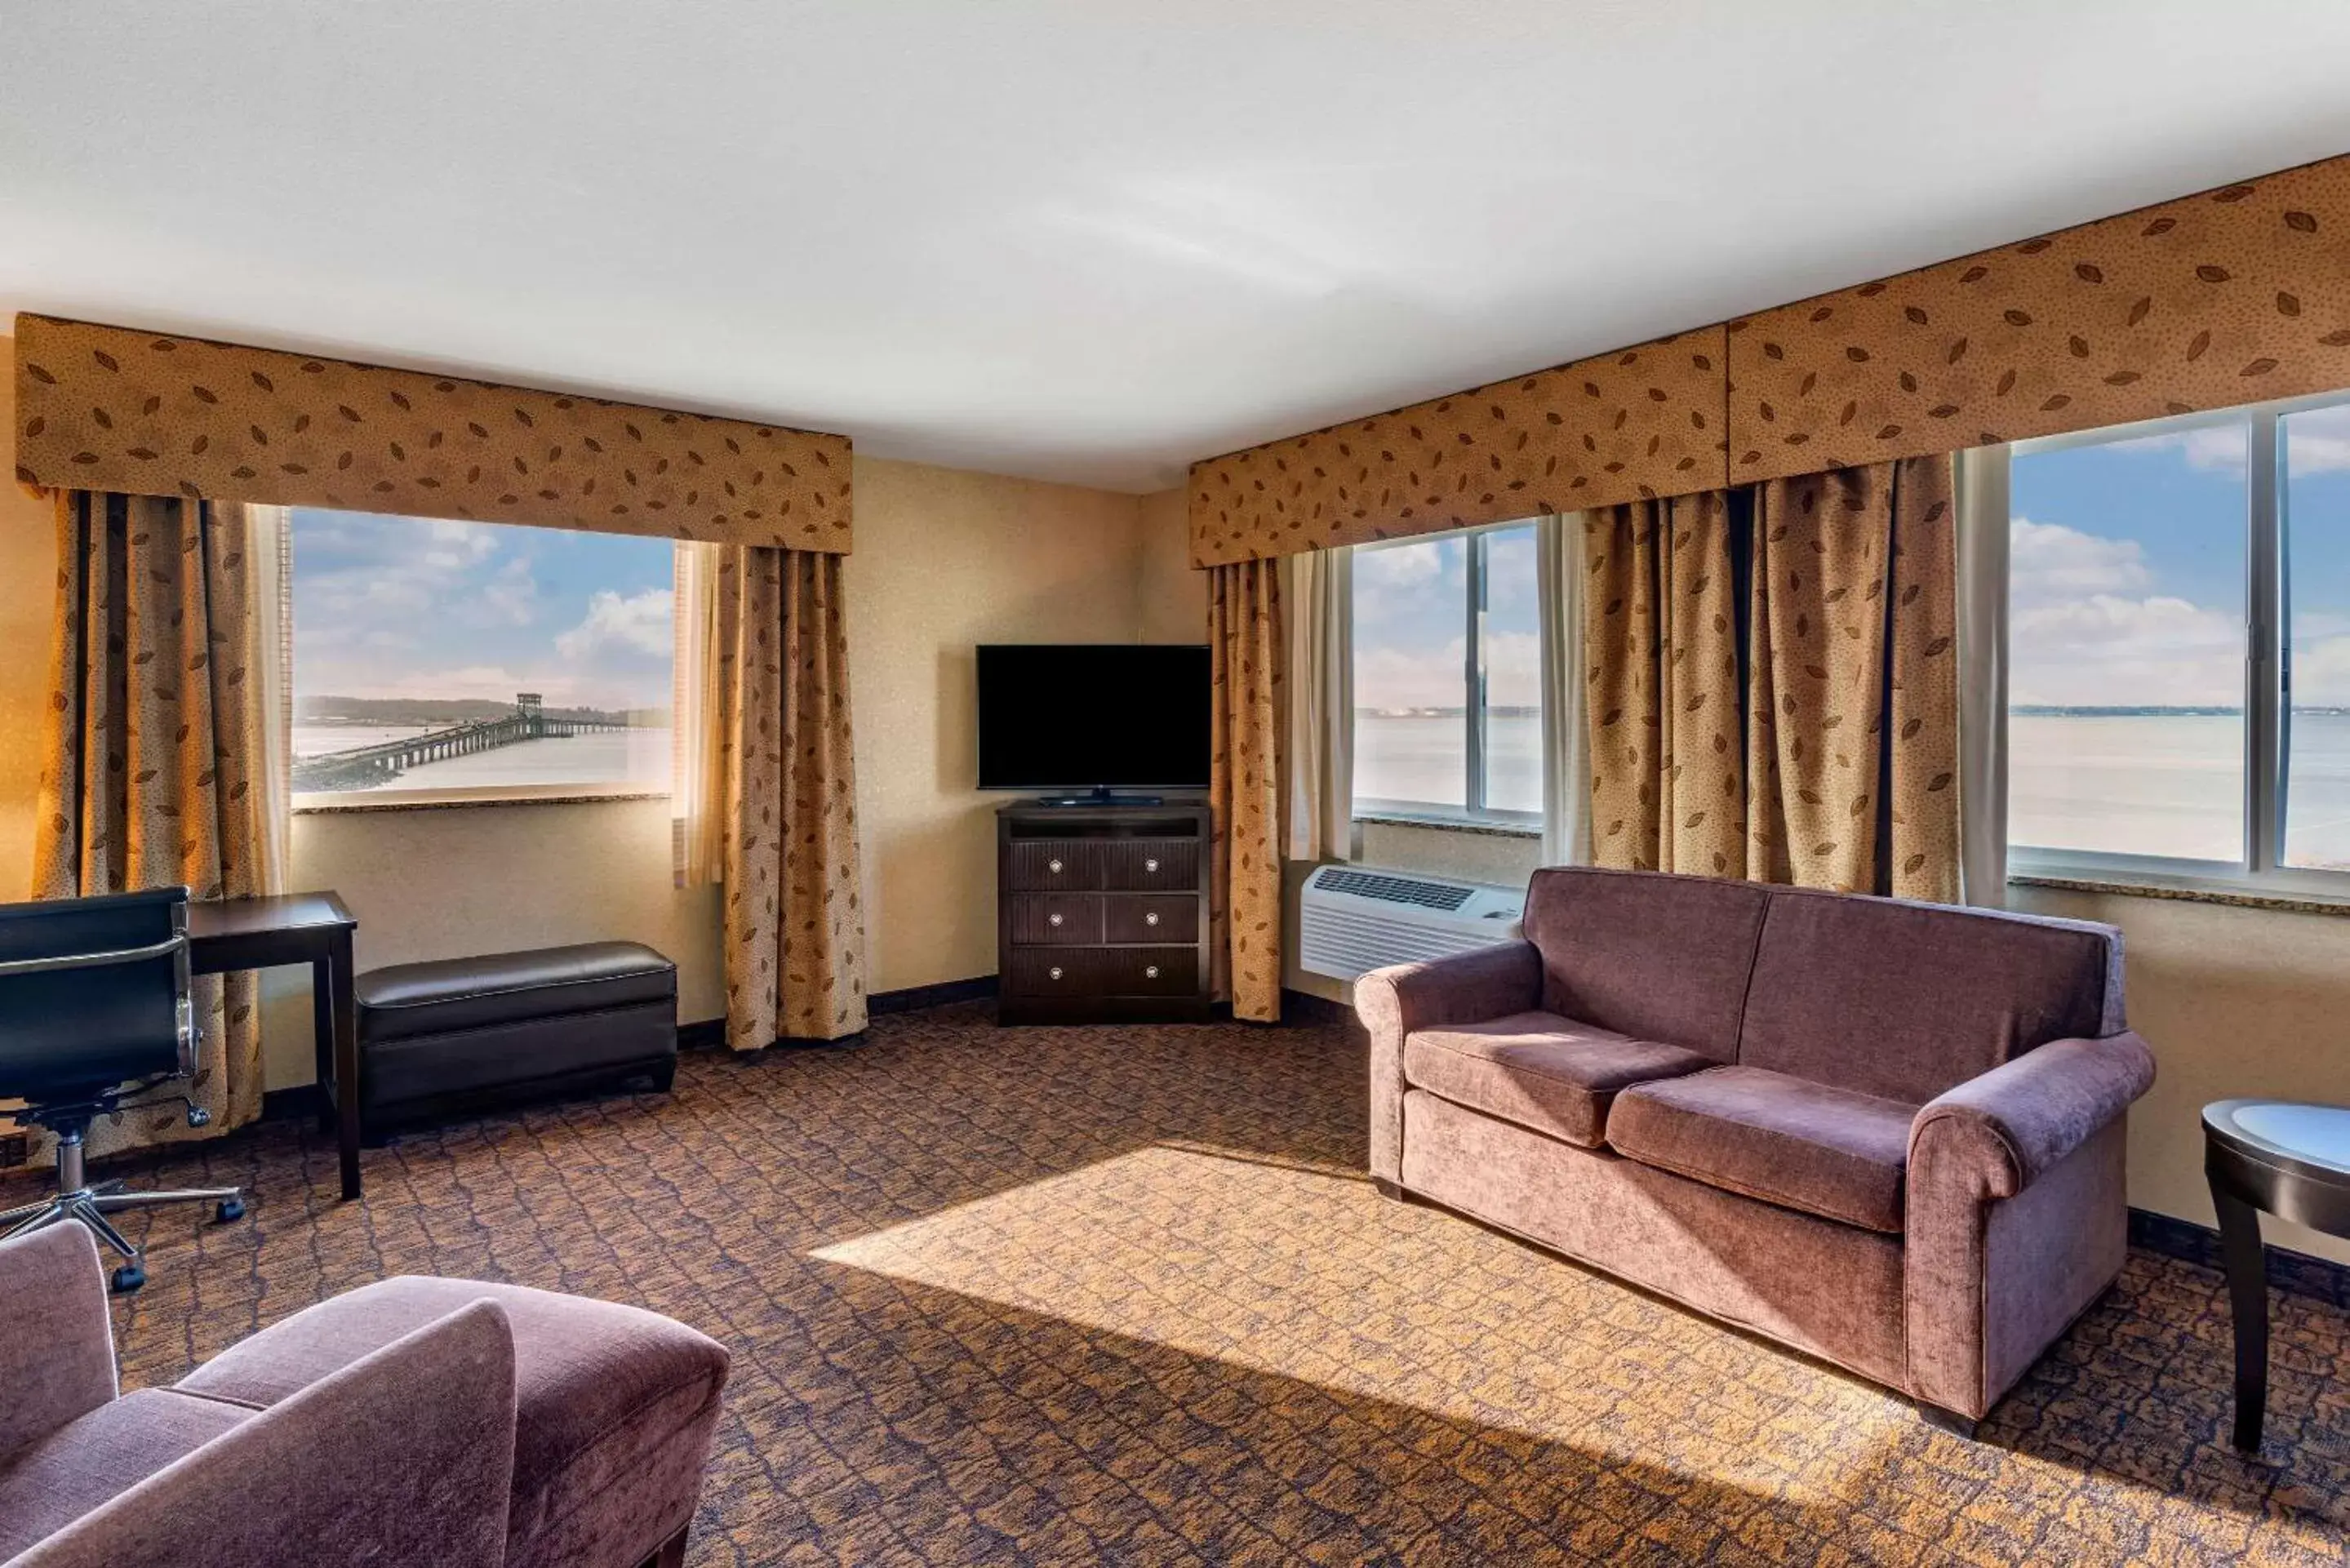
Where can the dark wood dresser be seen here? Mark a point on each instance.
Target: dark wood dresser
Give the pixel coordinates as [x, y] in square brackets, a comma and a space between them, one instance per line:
[1102, 913]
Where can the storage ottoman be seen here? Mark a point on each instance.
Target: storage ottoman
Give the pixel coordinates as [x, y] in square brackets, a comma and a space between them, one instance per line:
[457, 1034]
[614, 1407]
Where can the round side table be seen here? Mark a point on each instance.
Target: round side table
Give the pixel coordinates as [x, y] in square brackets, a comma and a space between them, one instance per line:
[2292, 1160]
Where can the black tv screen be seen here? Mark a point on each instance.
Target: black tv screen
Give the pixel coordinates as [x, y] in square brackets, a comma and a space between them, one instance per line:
[1093, 716]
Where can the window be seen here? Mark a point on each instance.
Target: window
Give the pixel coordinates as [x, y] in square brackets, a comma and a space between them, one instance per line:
[2178, 634]
[1448, 685]
[440, 657]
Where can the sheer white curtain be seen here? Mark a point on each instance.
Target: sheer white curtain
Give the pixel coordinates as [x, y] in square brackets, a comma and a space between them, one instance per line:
[698, 788]
[1983, 676]
[1317, 596]
[1566, 762]
[270, 558]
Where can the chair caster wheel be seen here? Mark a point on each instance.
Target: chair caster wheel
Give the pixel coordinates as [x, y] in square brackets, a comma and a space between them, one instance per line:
[229, 1209]
[129, 1278]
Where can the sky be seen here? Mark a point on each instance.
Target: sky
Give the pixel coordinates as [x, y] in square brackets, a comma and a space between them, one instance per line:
[1411, 623]
[411, 607]
[2128, 566]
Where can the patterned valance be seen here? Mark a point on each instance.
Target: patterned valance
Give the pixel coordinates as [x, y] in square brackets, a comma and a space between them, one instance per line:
[106, 408]
[2237, 296]
[1628, 426]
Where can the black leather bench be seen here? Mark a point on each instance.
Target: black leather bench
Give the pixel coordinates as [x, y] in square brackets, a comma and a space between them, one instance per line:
[458, 1035]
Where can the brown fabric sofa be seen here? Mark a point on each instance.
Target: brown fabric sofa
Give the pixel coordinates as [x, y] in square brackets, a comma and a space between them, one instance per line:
[1886, 1134]
[413, 1421]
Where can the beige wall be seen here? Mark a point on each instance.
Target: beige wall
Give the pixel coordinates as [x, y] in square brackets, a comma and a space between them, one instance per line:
[28, 582]
[946, 560]
[1174, 604]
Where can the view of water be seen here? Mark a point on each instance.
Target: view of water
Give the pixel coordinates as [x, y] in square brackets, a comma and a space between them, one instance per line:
[640, 758]
[2159, 784]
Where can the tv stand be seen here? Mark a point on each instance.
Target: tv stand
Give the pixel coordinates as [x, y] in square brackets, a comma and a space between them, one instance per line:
[1102, 912]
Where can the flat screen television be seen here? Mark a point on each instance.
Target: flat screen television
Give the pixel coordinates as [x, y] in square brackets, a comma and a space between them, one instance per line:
[1093, 717]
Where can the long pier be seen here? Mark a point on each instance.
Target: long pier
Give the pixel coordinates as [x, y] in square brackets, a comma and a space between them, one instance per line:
[372, 767]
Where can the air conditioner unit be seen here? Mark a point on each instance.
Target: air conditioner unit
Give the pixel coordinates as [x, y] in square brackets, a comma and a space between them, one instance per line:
[1353, 918]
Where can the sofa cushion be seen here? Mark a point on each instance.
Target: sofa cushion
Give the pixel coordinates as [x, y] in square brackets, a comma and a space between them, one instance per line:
[447, 994]
[1908, 999]
[1647, 955]
[1786, 1140]
[614, 1405]
[94, 1458]
[1539, 1071]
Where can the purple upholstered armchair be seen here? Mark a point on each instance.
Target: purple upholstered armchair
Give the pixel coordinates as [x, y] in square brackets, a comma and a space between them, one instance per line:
[1889, 1134]
[414, 1421]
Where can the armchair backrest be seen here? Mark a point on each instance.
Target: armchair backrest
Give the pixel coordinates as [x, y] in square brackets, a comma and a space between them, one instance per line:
[406, 1455]
[93, 993]
[1885, 996]
[56, 1362]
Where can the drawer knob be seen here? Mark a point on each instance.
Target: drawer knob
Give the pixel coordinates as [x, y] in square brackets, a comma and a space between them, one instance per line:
[1150, 972]
[1151, 918]
[1052, 919]
[1056, 972]
[1150, 865]
[1052, 865]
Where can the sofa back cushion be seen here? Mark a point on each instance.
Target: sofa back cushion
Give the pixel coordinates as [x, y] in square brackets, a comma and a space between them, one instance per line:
[1906, 1000]
[1645, 954]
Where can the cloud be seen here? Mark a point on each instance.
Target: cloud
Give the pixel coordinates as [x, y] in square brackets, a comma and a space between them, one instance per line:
[1390, 678]
[2210, 449]
[2103, 649]
[2317, 441]
[2050, 561]
[641, 623]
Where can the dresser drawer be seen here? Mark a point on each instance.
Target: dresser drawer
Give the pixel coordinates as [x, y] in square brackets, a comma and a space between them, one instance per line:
[1149, 865]
[1041, 971]
[1150, 972]
[1049, 864]
[1174, 918]
[1047, 919]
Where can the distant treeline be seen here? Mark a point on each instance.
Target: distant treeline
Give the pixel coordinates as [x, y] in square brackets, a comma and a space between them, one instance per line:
[330, 710]
[2150, 710]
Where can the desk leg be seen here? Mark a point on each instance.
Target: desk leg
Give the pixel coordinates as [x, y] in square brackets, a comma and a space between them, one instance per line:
[346, 1059]
[2248, 1295]
[322, 1035]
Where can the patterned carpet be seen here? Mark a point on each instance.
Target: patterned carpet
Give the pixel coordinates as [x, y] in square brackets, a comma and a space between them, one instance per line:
[1123, 1296]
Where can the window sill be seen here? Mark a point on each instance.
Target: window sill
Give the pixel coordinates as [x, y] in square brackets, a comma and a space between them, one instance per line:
[2185, 891]
[1489, 827]
[358, 801]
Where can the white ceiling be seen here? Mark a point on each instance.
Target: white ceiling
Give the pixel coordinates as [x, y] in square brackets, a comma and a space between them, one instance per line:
[1084, 240]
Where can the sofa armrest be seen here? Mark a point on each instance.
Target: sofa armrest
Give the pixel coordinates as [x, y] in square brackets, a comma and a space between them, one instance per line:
[1469, 988]
[2010, 1124]
[56, 1360]
[406, 1455]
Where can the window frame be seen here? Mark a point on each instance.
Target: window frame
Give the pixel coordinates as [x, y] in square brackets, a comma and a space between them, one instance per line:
[1476, 602]
[2268, 674]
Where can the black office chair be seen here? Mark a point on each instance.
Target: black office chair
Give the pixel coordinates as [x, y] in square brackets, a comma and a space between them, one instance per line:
[95, 1013]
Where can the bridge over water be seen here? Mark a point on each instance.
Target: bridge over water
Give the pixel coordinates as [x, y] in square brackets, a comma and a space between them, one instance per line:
[373, 766]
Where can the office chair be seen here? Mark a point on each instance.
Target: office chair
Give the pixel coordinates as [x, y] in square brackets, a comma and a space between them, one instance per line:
[94, 1012]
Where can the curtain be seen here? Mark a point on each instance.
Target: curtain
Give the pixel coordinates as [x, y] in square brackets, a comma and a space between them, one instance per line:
[163, 763]
[1983, 689]
[1566, 738]
[1244, 789]
[1851, 758]
[1661, 633]
[698, 770]
[1771, 681]
[1318, 589]
[795, 923]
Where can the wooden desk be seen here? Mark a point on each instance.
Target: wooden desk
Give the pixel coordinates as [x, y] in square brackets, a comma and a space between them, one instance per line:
[226, 934]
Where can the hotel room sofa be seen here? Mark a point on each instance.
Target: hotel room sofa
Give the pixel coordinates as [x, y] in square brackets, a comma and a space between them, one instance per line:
[412, 1421]
[1886, 1134]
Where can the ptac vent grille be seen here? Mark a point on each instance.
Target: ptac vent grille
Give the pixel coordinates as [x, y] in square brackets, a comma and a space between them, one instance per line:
[1395, 889]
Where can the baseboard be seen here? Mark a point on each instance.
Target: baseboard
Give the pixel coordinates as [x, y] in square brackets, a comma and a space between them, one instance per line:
[914, 997]
[704, 1034]
[299, 1103]
[1305, 1007]
[2320, 1278]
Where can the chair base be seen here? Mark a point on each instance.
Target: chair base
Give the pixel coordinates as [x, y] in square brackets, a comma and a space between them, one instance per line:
[89, 1205]
[670, 1553]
